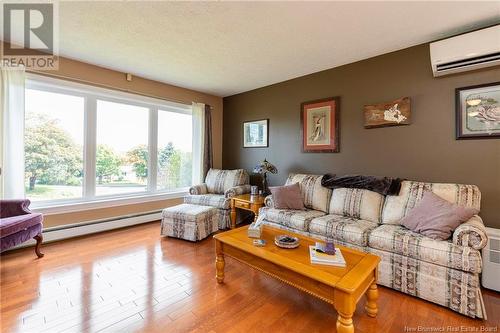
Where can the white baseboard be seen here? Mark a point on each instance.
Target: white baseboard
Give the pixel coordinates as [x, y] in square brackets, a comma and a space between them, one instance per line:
[87, 228]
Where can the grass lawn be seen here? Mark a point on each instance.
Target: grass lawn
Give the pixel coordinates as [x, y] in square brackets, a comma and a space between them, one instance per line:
[53, 192]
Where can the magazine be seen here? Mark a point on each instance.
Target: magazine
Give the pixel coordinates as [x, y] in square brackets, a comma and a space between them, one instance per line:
[326, 259]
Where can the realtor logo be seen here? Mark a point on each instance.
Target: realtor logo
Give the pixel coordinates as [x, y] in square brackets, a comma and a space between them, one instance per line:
[29, 32]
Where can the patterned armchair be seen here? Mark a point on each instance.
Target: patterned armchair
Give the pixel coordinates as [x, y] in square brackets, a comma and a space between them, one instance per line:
[218, 189]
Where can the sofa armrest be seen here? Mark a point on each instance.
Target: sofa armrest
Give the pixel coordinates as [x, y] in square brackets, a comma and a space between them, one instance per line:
[471, 233]
[236, 190]
[268, 201]
[9, 208]
[198, 189]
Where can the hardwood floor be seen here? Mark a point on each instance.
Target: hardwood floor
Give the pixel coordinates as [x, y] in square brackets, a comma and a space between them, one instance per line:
[133, 280]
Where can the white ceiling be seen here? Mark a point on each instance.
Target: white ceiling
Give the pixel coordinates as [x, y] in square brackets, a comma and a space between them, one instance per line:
[225, 48]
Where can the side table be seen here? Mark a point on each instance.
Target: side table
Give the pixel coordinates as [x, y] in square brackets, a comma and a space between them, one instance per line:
[247, 202]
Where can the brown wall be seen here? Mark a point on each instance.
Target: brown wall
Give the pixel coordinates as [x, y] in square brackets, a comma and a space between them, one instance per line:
[87, 73]
[425, 150]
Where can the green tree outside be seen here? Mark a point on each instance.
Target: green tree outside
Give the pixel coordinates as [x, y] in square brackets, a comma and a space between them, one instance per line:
[165, 155]
[174, 167]
[138, 157]
[51, 156]
[107, 163]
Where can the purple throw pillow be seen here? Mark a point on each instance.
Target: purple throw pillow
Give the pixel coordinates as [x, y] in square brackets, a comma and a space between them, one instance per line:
[436, 217]
[287, 197]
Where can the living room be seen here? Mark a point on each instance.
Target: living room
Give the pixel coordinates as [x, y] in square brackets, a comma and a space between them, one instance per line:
[179, 166]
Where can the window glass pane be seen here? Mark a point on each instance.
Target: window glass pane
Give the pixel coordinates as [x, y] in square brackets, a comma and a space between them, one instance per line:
[53, 145]
[122, 148]
[174, 150]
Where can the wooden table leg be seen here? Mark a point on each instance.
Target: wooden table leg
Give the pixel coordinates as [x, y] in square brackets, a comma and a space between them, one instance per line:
[345, 304]
[344, 323]
[371, 300]
[233, 215]
[219, 262]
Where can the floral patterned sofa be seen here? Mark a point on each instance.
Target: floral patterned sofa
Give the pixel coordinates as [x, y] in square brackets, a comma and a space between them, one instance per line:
[217, 190]
[443, 272]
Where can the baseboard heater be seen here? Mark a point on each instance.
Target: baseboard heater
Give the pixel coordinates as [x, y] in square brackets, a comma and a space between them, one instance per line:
[90, 227]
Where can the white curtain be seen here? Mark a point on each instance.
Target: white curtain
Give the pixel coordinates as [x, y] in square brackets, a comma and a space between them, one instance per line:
[198, 141]
[12, 83]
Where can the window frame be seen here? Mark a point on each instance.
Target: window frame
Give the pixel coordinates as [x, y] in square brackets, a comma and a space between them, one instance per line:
[91, 94]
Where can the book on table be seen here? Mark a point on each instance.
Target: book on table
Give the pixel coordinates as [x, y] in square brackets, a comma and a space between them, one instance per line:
[326, 259]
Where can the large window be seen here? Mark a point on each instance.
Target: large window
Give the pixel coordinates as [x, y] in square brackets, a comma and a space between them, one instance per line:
[122, 148]
[53, 145]
[175, 158]
[84, 143]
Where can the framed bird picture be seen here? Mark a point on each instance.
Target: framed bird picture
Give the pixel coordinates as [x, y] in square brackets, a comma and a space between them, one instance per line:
[320, 125]
[478, 112]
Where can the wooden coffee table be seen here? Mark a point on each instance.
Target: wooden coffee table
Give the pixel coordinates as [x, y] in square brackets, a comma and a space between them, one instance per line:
[342, 287]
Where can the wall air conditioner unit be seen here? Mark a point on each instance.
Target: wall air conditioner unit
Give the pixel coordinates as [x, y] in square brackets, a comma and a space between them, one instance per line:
[473, 50]
[491, 260]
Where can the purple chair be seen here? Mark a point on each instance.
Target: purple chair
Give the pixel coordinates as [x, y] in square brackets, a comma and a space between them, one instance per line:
[18, 225]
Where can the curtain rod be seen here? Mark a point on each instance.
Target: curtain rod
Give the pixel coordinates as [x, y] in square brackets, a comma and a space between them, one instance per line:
[69, 78]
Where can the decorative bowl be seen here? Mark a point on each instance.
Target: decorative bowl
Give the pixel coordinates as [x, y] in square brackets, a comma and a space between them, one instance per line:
[286, 241]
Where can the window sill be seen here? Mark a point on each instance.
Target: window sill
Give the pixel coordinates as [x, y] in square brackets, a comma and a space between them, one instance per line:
[69, 207]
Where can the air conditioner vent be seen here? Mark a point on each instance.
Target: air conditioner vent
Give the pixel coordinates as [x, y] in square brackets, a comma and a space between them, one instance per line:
[469, 62]
[494, 244]
[491, 260]
[495, 257]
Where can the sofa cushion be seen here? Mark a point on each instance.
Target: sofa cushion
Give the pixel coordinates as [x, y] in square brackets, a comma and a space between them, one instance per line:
[219, 181]
[357, 203]
[212, 200]
[189, 213]
[314, 195]
[399, 240]
[396, 207]
[435, 217]
[346, 229]
[13, 224]
[295, 219]
[287, 197]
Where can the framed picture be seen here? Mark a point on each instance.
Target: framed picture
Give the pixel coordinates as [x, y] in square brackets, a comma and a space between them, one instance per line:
[394, 113]
[320, 125]
[256, 133]
[478, 111]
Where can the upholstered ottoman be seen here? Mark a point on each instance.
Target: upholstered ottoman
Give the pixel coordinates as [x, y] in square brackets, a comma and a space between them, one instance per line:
[189, 222]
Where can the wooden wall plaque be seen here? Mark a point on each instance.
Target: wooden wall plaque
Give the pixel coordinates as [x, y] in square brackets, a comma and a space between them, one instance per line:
[395, 113]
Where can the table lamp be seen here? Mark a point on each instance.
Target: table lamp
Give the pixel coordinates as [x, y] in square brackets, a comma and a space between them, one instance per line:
[263, 168]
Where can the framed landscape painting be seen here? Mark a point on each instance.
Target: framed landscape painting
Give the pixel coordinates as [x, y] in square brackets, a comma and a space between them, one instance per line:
[478, 111]
[256, 133]
[320, 125]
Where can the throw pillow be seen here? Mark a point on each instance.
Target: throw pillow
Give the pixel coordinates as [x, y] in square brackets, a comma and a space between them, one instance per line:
[436, 217]
[287, 197]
